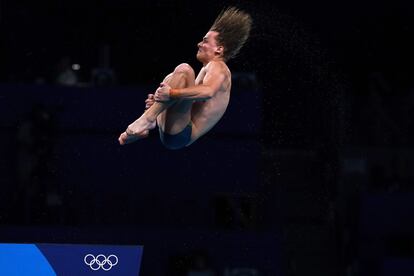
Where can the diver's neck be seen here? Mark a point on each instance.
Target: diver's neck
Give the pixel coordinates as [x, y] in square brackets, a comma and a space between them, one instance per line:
[205, 63]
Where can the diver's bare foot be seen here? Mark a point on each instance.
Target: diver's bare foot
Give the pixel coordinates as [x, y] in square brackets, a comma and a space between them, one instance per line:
[126, 138]
[141, 125]
[137, 130]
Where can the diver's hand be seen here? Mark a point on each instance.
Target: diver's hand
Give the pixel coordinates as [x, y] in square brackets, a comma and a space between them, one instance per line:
[163, 93]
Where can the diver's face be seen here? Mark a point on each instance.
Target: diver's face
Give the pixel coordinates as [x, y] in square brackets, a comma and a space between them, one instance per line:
[208, 48]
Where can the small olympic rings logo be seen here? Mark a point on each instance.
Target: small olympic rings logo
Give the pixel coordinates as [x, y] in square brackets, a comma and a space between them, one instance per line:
[101, 261]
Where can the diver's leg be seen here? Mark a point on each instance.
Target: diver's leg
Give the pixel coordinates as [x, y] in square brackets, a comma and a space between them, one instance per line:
[183, 76]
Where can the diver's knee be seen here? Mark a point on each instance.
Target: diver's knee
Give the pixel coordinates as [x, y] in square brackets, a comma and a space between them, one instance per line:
[184, 68]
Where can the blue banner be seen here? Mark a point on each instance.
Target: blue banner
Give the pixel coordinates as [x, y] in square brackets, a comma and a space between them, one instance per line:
[69, 260]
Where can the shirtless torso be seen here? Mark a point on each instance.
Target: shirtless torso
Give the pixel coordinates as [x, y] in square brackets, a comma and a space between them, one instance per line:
[206, 113]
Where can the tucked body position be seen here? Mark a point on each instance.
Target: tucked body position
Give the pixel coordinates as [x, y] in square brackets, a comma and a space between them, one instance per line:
[184, 106]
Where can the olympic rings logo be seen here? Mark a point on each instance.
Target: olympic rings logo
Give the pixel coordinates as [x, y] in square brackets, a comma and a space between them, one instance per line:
[101, 261]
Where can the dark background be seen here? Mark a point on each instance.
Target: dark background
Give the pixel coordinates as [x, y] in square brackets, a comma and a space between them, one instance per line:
[308, 173]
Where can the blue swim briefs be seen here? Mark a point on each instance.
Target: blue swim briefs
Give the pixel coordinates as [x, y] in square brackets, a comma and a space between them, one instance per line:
[176, 141]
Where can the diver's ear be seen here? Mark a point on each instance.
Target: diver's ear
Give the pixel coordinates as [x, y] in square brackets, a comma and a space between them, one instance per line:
[219, 51]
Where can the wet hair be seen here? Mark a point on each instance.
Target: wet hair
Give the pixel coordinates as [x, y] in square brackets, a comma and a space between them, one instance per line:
[233, 27]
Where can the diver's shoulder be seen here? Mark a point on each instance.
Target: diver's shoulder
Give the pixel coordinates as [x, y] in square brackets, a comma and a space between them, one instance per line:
[217, 65]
